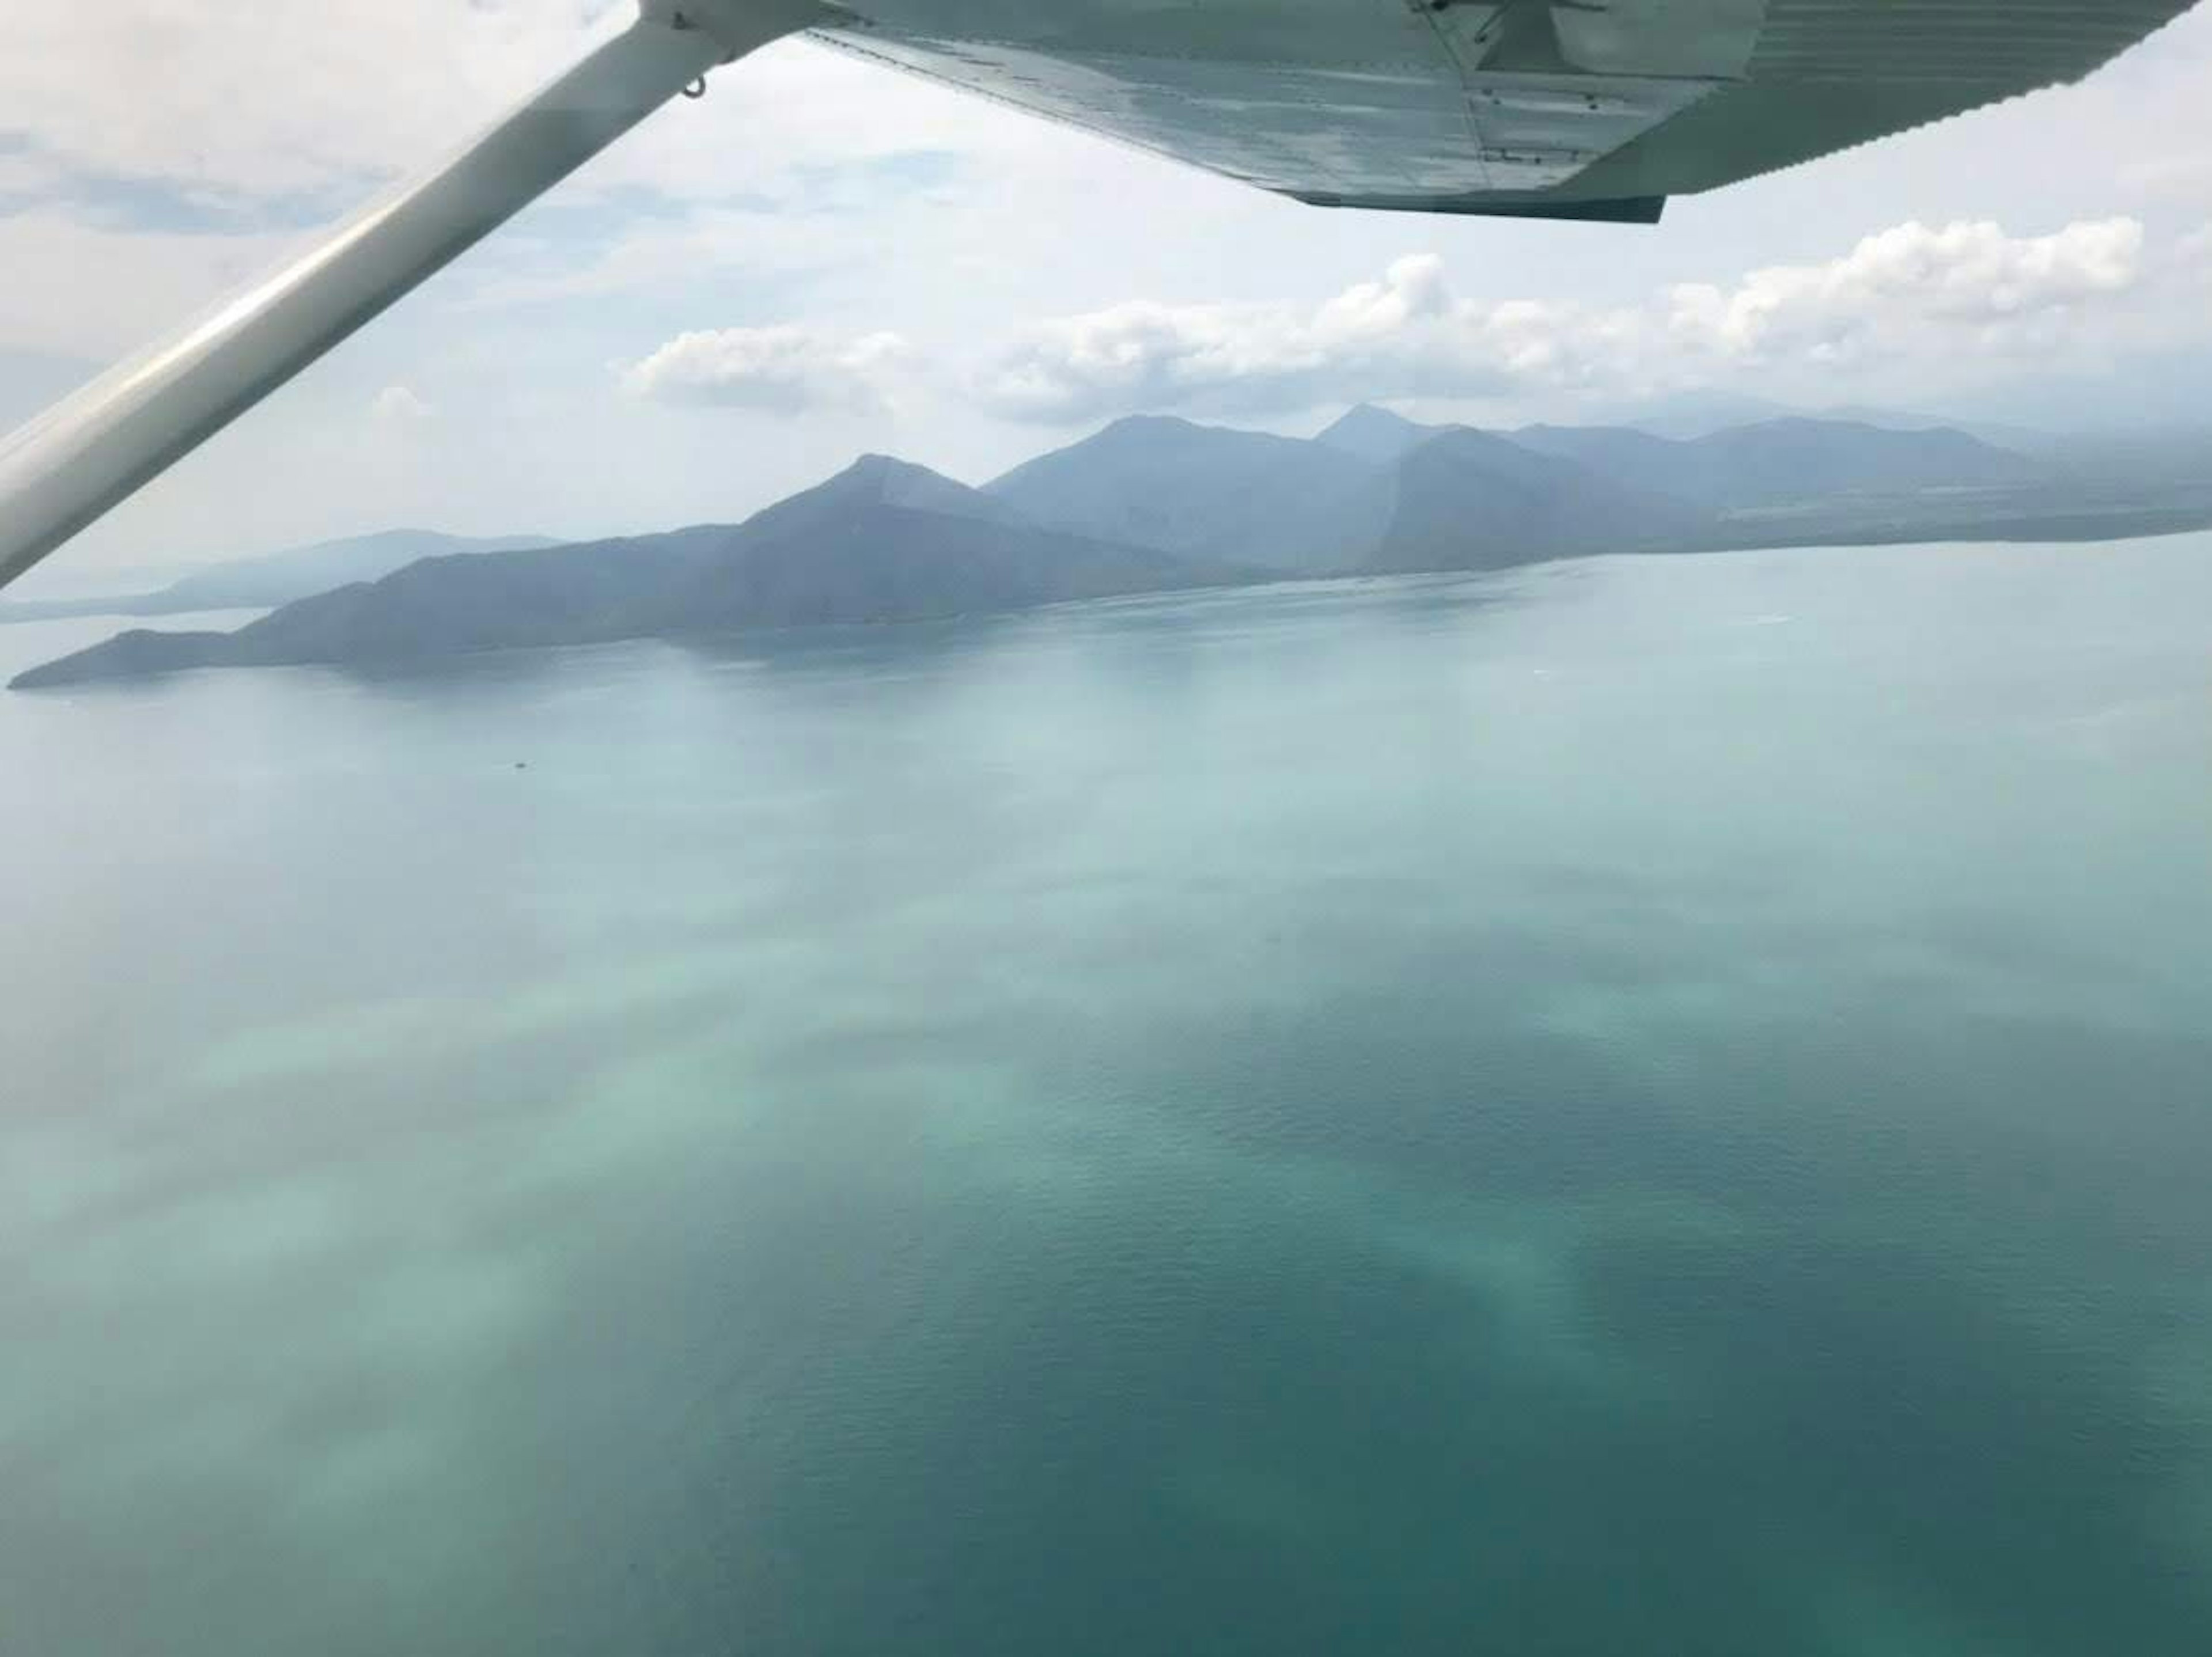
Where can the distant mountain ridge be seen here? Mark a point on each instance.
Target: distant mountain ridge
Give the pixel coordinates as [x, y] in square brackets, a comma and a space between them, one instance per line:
[278, 577]
[1472, 499]
[1701, 413]
[1376, 491]
[881, 541]
[1150, 504]
[1795, 459]
[1376, 435]
[1207, 491]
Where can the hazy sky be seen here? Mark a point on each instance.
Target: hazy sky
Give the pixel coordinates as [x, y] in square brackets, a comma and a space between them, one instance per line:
[823, 257]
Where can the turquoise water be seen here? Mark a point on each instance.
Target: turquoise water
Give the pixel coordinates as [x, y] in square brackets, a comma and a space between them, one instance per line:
[1633, 1107]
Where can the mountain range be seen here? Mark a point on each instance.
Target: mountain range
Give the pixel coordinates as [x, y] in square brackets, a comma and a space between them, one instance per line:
[278, 577]
[1147, 504]
[881, 541]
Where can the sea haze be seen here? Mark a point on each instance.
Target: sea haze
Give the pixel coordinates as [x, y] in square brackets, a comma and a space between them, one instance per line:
[1646, 1105]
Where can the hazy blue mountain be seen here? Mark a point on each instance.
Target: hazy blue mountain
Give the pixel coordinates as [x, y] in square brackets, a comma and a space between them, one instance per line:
[1779, 460]
[1686, 414]
[1636, 459]
[1776, 461]
[1470, 499]
[881, 541]
[278, 577]
[2003, 435]
[1154, 503]
[1762, 463]
[1375, 434]
[2154, 457]
[887, 541]
[1210, 492]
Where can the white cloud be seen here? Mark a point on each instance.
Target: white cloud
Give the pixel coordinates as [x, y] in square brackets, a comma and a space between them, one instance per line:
[1964, 290]
[1405, 335]
[1972, 283]
[785, 369]
[398, 406]
[255, 99]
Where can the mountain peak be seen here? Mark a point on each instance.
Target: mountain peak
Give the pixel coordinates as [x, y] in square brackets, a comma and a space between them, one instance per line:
[1146, 432]
[1209, 492]
[1375, 433]
[1152, 423]
[896, 482]
[875, 472]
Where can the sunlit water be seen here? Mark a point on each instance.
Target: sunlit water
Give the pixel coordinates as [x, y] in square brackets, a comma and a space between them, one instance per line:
[1640, 1107]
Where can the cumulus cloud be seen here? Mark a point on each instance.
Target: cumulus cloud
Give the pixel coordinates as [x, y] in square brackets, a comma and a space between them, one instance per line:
[1970, 283]
[1960, 289]
[785, 370]
[398, 406]
[1405, 335]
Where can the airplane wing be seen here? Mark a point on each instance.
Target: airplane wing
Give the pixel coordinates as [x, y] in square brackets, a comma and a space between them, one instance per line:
[1596, 109]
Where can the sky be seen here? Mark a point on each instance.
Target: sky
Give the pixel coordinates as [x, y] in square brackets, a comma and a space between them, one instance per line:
[822, 257]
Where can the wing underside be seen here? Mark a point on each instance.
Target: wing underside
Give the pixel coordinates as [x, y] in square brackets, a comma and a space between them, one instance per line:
[1553, 108]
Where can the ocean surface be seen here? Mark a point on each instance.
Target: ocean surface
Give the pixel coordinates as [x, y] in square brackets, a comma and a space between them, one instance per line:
[1635, 1107]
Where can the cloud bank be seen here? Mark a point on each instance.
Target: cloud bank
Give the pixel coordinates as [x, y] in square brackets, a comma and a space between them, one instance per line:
[1963, 289]
[783, 370]
[1972, 284]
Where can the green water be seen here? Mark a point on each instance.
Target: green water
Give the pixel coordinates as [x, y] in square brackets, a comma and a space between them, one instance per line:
[1652, 1107]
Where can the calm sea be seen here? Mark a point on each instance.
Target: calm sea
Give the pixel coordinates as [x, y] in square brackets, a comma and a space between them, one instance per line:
[1636, 1107]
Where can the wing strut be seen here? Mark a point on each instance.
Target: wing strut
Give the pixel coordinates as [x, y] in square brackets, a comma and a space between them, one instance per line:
[69, 466]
